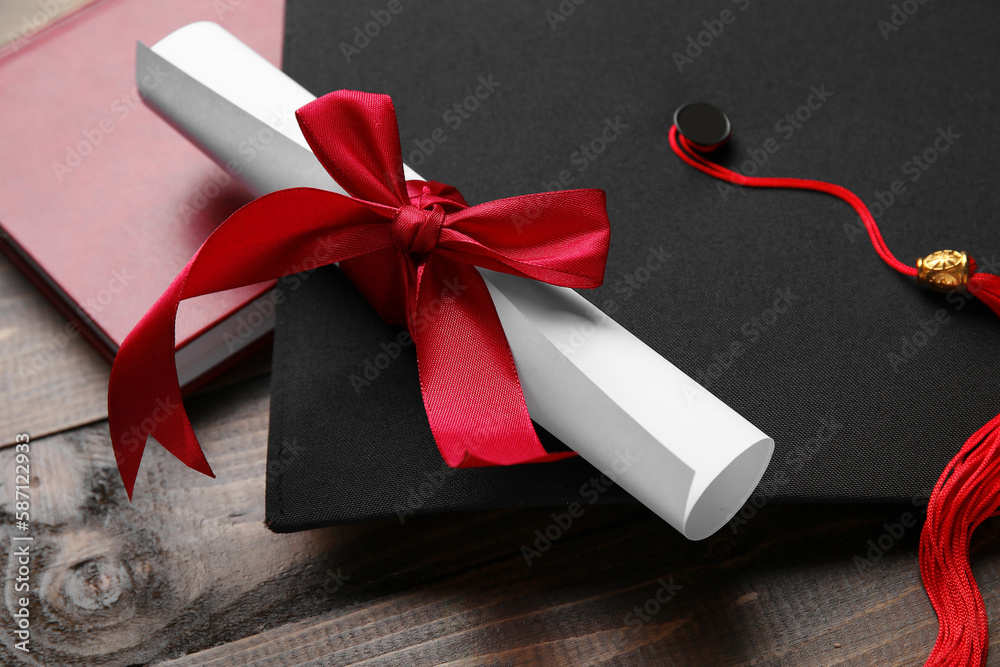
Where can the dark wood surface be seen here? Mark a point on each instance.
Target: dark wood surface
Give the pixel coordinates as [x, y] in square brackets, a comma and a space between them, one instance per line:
[188, 574]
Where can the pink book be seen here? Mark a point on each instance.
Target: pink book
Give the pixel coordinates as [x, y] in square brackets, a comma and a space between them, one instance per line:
[101, 202]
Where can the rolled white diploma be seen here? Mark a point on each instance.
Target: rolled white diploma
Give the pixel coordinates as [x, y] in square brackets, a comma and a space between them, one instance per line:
[628, 411]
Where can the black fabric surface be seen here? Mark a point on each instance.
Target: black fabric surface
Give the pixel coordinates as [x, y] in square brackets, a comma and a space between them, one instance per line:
[867, 383]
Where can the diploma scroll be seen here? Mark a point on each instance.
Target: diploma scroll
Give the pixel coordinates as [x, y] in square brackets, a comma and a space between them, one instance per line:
[628, 411]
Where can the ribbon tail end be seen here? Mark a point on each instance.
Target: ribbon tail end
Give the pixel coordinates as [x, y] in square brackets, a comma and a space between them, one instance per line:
[128, 470]
[199, 463]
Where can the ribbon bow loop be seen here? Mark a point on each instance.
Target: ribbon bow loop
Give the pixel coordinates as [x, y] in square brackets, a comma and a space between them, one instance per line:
[356, 139]
[427, 193]
[412, 248]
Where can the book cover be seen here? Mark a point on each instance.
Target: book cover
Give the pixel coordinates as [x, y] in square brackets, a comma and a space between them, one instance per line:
[101, 203]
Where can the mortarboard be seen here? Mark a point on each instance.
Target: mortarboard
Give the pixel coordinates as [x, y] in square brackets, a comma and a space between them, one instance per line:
[771, 300]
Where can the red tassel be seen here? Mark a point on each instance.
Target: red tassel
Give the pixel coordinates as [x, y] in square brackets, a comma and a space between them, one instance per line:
[965, 496]
[967, 493]
[985, 287]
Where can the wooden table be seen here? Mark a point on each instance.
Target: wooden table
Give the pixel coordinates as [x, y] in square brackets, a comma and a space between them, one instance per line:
[188, 574]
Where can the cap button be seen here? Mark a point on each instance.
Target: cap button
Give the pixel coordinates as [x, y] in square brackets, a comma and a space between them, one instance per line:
[704, 126]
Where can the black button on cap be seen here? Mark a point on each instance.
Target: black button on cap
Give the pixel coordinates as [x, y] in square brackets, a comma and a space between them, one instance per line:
[703, 125]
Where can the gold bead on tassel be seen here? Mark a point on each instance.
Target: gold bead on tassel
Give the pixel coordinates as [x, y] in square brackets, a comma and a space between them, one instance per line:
[944, 270]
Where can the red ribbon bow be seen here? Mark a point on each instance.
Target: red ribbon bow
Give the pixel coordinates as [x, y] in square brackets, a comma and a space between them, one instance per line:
[411, 247]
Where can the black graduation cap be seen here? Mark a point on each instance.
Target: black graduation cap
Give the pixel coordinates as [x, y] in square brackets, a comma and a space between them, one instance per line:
[773, 300]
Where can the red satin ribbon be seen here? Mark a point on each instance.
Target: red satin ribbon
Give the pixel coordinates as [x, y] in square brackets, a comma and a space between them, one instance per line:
[411, 247]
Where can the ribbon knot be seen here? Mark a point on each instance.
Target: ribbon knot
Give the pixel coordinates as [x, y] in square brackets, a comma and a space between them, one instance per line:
[475, 407]
[416, 230]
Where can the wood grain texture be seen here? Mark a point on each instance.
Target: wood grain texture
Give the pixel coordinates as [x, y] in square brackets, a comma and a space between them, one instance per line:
[782, 595]
[51, 379]
[188, 575]
[20, 20]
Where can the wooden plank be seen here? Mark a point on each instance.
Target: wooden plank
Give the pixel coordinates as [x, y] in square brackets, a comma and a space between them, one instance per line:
[784, 595]
[189, 575]
[188, 564]
[51, 379]
[21, 20]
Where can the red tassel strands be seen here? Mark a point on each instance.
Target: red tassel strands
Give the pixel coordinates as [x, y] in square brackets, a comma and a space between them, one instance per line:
[986, 287]
[964, 497]
[968, 491]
